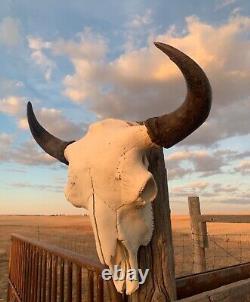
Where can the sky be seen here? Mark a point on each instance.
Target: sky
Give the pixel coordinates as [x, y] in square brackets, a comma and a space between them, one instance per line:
[82, 61]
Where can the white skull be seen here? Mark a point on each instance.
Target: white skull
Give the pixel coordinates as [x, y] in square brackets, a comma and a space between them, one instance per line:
[108, 176]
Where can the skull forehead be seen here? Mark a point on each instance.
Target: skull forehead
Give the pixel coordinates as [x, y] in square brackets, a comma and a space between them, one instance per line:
[110, 137]
[109, 159]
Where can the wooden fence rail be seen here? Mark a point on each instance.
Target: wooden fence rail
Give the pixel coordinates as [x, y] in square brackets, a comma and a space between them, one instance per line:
[39, 272]
[199, 230]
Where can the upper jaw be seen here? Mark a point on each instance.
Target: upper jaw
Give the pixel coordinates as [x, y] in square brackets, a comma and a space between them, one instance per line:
[125, 261]
[118, 235]
[111, 250]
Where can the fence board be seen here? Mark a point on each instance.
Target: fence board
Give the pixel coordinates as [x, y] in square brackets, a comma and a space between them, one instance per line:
[224, 218]
[37, 273]
[194, 284]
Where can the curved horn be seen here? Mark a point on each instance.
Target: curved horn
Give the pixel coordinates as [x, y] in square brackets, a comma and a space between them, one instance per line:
[49, 143]
[169, 129]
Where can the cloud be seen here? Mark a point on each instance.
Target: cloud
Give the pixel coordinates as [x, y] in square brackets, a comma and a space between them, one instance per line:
[5, 139]
[241, 198]
[177, 172]
[88, 46]
[220, 188]
[37, 43]
[28, 153]
[235, 201]
[23, 123]
[142, 82]
[138, 28]
[56, 123]
[217, 181]
[209, 162]
[52, 119]
[240, 155]
[211, 192]
[23, 185]
[10, 34]
[43, 62]
[15, 170]
[201, 161]
[9, 87]
[191, 188]
[220, 4]
[40, 58]
[12, 105]
[139, 21]
[243, 167]
[5, 143]
[87, 56]
[59, 125]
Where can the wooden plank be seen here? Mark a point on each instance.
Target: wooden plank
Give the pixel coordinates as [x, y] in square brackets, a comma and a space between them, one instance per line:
[61, 281]
[188, 286]
[63, 253]
[90, 284]
[225, 218]
[69, 282]
[78, 284]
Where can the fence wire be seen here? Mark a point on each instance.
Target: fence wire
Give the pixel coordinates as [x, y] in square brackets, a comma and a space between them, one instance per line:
[223, 250]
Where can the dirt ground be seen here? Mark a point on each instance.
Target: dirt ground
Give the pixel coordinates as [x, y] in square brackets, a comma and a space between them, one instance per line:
[228, 243]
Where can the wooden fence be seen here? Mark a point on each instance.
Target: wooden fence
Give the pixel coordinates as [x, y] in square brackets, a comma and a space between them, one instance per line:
[39, 272]
[199, 230]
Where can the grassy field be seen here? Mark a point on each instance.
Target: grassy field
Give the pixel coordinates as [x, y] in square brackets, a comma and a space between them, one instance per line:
[228, 243]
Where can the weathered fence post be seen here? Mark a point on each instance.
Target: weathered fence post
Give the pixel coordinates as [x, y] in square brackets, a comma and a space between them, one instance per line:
[158, 256]
[199, 235]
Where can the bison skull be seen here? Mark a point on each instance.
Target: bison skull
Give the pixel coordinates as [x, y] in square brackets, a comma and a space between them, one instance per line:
[108, 176]
[108, 169]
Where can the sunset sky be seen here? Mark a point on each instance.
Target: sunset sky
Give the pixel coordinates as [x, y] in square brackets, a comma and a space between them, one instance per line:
[82, 61]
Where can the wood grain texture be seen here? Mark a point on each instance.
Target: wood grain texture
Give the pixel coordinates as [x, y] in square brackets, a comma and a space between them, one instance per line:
[158, 255]
[198, 230]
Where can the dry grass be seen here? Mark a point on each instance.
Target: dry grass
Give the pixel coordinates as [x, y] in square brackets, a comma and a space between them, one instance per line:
[75, 233]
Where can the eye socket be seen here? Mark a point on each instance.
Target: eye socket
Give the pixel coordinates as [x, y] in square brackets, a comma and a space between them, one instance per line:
[149, 191]
[145, 160]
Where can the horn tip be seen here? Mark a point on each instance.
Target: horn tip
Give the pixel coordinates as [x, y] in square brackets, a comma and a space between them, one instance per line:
[29, 105]
[158, 44]
[163, 47]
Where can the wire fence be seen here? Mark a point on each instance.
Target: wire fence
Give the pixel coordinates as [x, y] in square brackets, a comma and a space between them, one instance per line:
[223, 250]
